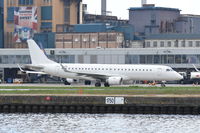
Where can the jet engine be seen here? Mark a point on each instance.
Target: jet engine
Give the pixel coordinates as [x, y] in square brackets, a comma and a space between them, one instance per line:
[195, 75]
[70, 80]
[114, 80]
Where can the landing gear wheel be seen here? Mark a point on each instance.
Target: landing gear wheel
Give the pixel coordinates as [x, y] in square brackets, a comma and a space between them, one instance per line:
[163, 85]
[98, 84]
[87, 82]
[106, 84]
[66, 83]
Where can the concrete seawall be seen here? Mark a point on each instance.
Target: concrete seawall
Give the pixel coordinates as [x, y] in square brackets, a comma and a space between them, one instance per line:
[135, 104]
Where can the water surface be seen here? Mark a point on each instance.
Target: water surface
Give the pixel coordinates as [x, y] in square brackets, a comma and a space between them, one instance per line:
[98, 123]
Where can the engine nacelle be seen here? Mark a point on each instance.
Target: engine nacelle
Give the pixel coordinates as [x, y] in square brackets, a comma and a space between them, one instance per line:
[70, 80]
[114, 80]
[195, 75]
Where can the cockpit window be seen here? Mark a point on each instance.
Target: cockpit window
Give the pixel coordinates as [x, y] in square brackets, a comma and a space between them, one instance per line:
[169, 70]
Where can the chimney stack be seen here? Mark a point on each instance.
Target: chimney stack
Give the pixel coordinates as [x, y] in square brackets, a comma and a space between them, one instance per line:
[103, 7]
[143, 2]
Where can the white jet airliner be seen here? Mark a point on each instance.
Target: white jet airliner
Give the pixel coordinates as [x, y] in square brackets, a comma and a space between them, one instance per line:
[109, 74]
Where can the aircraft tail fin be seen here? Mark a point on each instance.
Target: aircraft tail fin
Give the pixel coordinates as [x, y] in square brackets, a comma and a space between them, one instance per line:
[37, 55]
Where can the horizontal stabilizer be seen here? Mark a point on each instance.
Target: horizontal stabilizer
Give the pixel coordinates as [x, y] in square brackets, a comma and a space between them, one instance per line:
[32, 72]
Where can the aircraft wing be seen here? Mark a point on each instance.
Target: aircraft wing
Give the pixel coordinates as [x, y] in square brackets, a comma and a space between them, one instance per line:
[93, 76]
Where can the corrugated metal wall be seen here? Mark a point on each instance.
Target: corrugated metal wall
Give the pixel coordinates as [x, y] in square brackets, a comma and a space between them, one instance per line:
[89, 40]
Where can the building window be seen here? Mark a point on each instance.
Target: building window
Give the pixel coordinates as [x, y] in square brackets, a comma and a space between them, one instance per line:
[169, 44]
[25, 2]
[67, 3]
[190, 43]
[10, 2]
[162, 44]
[147, 44]
[176, 43]
[178, 59]
[66, 14]
[183, 43]
[46, 12]
[197, 43]
[10, 14]
[132, 59]
[155, 44]
[170, 59]
[47, 1]
[156, 59]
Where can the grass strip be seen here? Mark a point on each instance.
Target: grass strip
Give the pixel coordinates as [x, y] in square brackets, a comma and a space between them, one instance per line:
[109, 91]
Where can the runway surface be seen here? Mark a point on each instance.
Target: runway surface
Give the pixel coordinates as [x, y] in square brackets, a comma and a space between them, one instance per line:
[81, 85]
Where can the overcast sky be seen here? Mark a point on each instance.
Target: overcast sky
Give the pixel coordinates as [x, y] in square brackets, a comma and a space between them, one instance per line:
[119, 7]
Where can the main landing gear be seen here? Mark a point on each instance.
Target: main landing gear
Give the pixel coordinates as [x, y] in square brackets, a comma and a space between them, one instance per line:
[98, 84]
[87, 82]
[106, 84]
[67, 83]
[163, 84]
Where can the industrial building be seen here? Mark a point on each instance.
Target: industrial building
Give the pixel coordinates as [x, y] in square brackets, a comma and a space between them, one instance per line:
[172, 41]
[22, 18]
[154, 20]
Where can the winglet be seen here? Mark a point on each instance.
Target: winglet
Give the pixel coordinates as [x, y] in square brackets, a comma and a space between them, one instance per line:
[195, 68]
[20, 68]
[64, 69]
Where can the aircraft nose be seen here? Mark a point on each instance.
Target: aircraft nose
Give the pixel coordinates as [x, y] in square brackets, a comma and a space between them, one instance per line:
[179, 77]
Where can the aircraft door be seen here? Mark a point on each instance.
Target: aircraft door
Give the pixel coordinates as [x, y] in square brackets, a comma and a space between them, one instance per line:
[159, 72]
[57, 70]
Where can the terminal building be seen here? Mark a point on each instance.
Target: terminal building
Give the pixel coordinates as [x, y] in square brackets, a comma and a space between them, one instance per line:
[180, 59]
